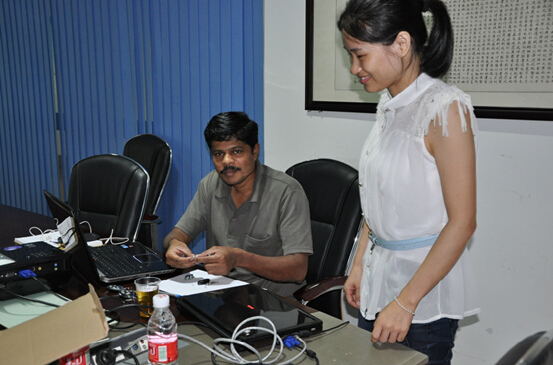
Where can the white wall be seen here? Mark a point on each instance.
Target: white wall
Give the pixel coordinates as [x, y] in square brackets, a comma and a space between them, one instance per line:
[511, 248]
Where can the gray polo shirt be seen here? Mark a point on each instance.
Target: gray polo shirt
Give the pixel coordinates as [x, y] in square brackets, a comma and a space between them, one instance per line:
[274, 221]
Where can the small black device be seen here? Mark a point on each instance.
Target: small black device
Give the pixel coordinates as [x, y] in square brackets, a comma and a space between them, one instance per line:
[127, 294]
[115, 287]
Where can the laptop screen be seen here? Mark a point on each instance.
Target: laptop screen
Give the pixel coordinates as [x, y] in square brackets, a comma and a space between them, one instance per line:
[81, 256]
[223, 310]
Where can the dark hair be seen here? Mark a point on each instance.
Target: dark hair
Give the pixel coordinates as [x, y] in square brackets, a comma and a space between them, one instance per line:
[229, 125]
[380, 21]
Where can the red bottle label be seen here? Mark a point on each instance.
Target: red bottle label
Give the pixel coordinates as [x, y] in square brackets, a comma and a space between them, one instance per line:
[163, 352]
[80, 357]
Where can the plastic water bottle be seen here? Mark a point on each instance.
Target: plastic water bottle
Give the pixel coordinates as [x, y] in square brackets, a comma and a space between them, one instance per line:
[162, 334]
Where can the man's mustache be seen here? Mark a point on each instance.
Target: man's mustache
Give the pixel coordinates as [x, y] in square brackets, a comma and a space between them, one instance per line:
[231, 168]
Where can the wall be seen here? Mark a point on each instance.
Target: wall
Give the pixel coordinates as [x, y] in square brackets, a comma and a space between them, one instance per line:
[511, 248]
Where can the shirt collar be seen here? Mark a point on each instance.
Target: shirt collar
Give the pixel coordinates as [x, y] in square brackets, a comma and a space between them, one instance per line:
[411, 93]
[259, 179]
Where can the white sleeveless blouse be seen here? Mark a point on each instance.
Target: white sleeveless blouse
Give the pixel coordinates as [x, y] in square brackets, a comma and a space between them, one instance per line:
[401, 198]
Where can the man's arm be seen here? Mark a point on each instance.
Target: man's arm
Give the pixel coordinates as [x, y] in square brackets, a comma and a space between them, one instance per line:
[295, 232]
[177, 253]
[220, 260]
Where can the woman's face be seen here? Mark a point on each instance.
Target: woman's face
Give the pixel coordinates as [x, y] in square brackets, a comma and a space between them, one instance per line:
[378, 67]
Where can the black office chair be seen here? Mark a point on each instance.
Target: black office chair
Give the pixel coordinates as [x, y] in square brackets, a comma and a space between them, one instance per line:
[332, 189]
[155, 155]
[536, 349]
[109, 191]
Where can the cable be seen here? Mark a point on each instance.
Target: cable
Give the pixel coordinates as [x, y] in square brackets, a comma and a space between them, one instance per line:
[3, 287]
[343, 324]
[305, 333]
[88, 224]
[112, 239]
[293, 342]
[109, 356]
[29, 274]
[117, 318]
[236, 358]
[42, 233]
[312, 355]
[48, 289]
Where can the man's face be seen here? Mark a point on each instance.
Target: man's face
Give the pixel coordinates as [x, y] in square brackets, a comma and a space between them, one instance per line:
[234, 161]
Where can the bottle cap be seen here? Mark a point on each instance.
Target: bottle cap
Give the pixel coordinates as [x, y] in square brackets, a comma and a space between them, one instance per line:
[161, 300]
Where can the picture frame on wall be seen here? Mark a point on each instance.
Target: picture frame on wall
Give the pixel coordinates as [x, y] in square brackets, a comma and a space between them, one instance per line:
[508, 76]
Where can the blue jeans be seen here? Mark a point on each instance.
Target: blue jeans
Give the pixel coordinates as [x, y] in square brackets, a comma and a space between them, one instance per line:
[434, 339]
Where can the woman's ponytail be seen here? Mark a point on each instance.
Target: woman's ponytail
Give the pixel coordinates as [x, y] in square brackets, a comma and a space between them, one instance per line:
[437, 53]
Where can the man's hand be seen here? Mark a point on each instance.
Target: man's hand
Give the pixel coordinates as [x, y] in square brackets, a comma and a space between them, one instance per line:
[178, 255]
[218, 260]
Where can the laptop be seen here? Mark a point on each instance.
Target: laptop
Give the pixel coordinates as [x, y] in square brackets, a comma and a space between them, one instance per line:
[109, 263]
[224, 309]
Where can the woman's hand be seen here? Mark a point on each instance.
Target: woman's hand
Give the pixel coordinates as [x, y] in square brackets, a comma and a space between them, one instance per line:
[352, 287]
[392, 324]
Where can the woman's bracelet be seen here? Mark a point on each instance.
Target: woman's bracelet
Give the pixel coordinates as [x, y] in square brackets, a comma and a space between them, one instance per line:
[402, 307]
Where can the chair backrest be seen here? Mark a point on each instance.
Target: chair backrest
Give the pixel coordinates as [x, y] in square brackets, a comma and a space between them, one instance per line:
[536, 349]
[109, 191]
[332, 189]
[155, 155]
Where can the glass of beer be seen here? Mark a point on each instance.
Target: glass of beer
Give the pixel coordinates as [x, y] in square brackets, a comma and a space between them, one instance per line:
[146, 288]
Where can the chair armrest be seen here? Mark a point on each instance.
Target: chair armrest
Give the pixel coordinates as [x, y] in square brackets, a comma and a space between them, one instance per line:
[314, 290]
[150, 219]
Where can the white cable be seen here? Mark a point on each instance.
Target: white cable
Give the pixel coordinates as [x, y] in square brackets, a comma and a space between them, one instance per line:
[235, 357]
[42, 233]
[88, 224]
[111, 239]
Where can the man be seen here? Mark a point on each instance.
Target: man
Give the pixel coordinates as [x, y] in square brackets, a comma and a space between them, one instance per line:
[256, 219]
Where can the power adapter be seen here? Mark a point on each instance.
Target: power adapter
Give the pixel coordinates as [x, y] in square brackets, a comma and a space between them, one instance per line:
[106, 357]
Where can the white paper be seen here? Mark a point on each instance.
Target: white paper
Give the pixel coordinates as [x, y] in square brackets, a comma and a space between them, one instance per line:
[67, 231]
[15, 311]
[181, 286]
[51, 238]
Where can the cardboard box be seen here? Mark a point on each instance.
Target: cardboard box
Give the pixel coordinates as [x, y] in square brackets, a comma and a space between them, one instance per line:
[55, 334]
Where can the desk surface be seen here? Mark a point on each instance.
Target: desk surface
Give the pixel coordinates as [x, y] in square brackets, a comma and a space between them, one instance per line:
[15, 222]
[345, 345]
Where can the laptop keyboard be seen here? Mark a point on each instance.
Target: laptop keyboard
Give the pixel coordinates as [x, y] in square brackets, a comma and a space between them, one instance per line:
[114, 262]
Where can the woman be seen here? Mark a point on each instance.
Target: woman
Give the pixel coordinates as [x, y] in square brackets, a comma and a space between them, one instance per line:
[411, 280]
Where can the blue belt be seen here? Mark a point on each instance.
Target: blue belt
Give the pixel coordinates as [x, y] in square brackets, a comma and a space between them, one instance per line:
[403, 245]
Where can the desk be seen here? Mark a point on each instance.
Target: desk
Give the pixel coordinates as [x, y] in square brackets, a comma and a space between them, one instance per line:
[15, 222]
[343, 346]
[346, 345]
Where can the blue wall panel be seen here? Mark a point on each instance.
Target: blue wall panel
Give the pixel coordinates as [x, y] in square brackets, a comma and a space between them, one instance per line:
[109, 70]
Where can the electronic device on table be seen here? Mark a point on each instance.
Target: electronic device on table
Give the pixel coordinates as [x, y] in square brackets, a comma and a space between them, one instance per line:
[134, 343]
[109, 263]
[50, 265]
[224, 309]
